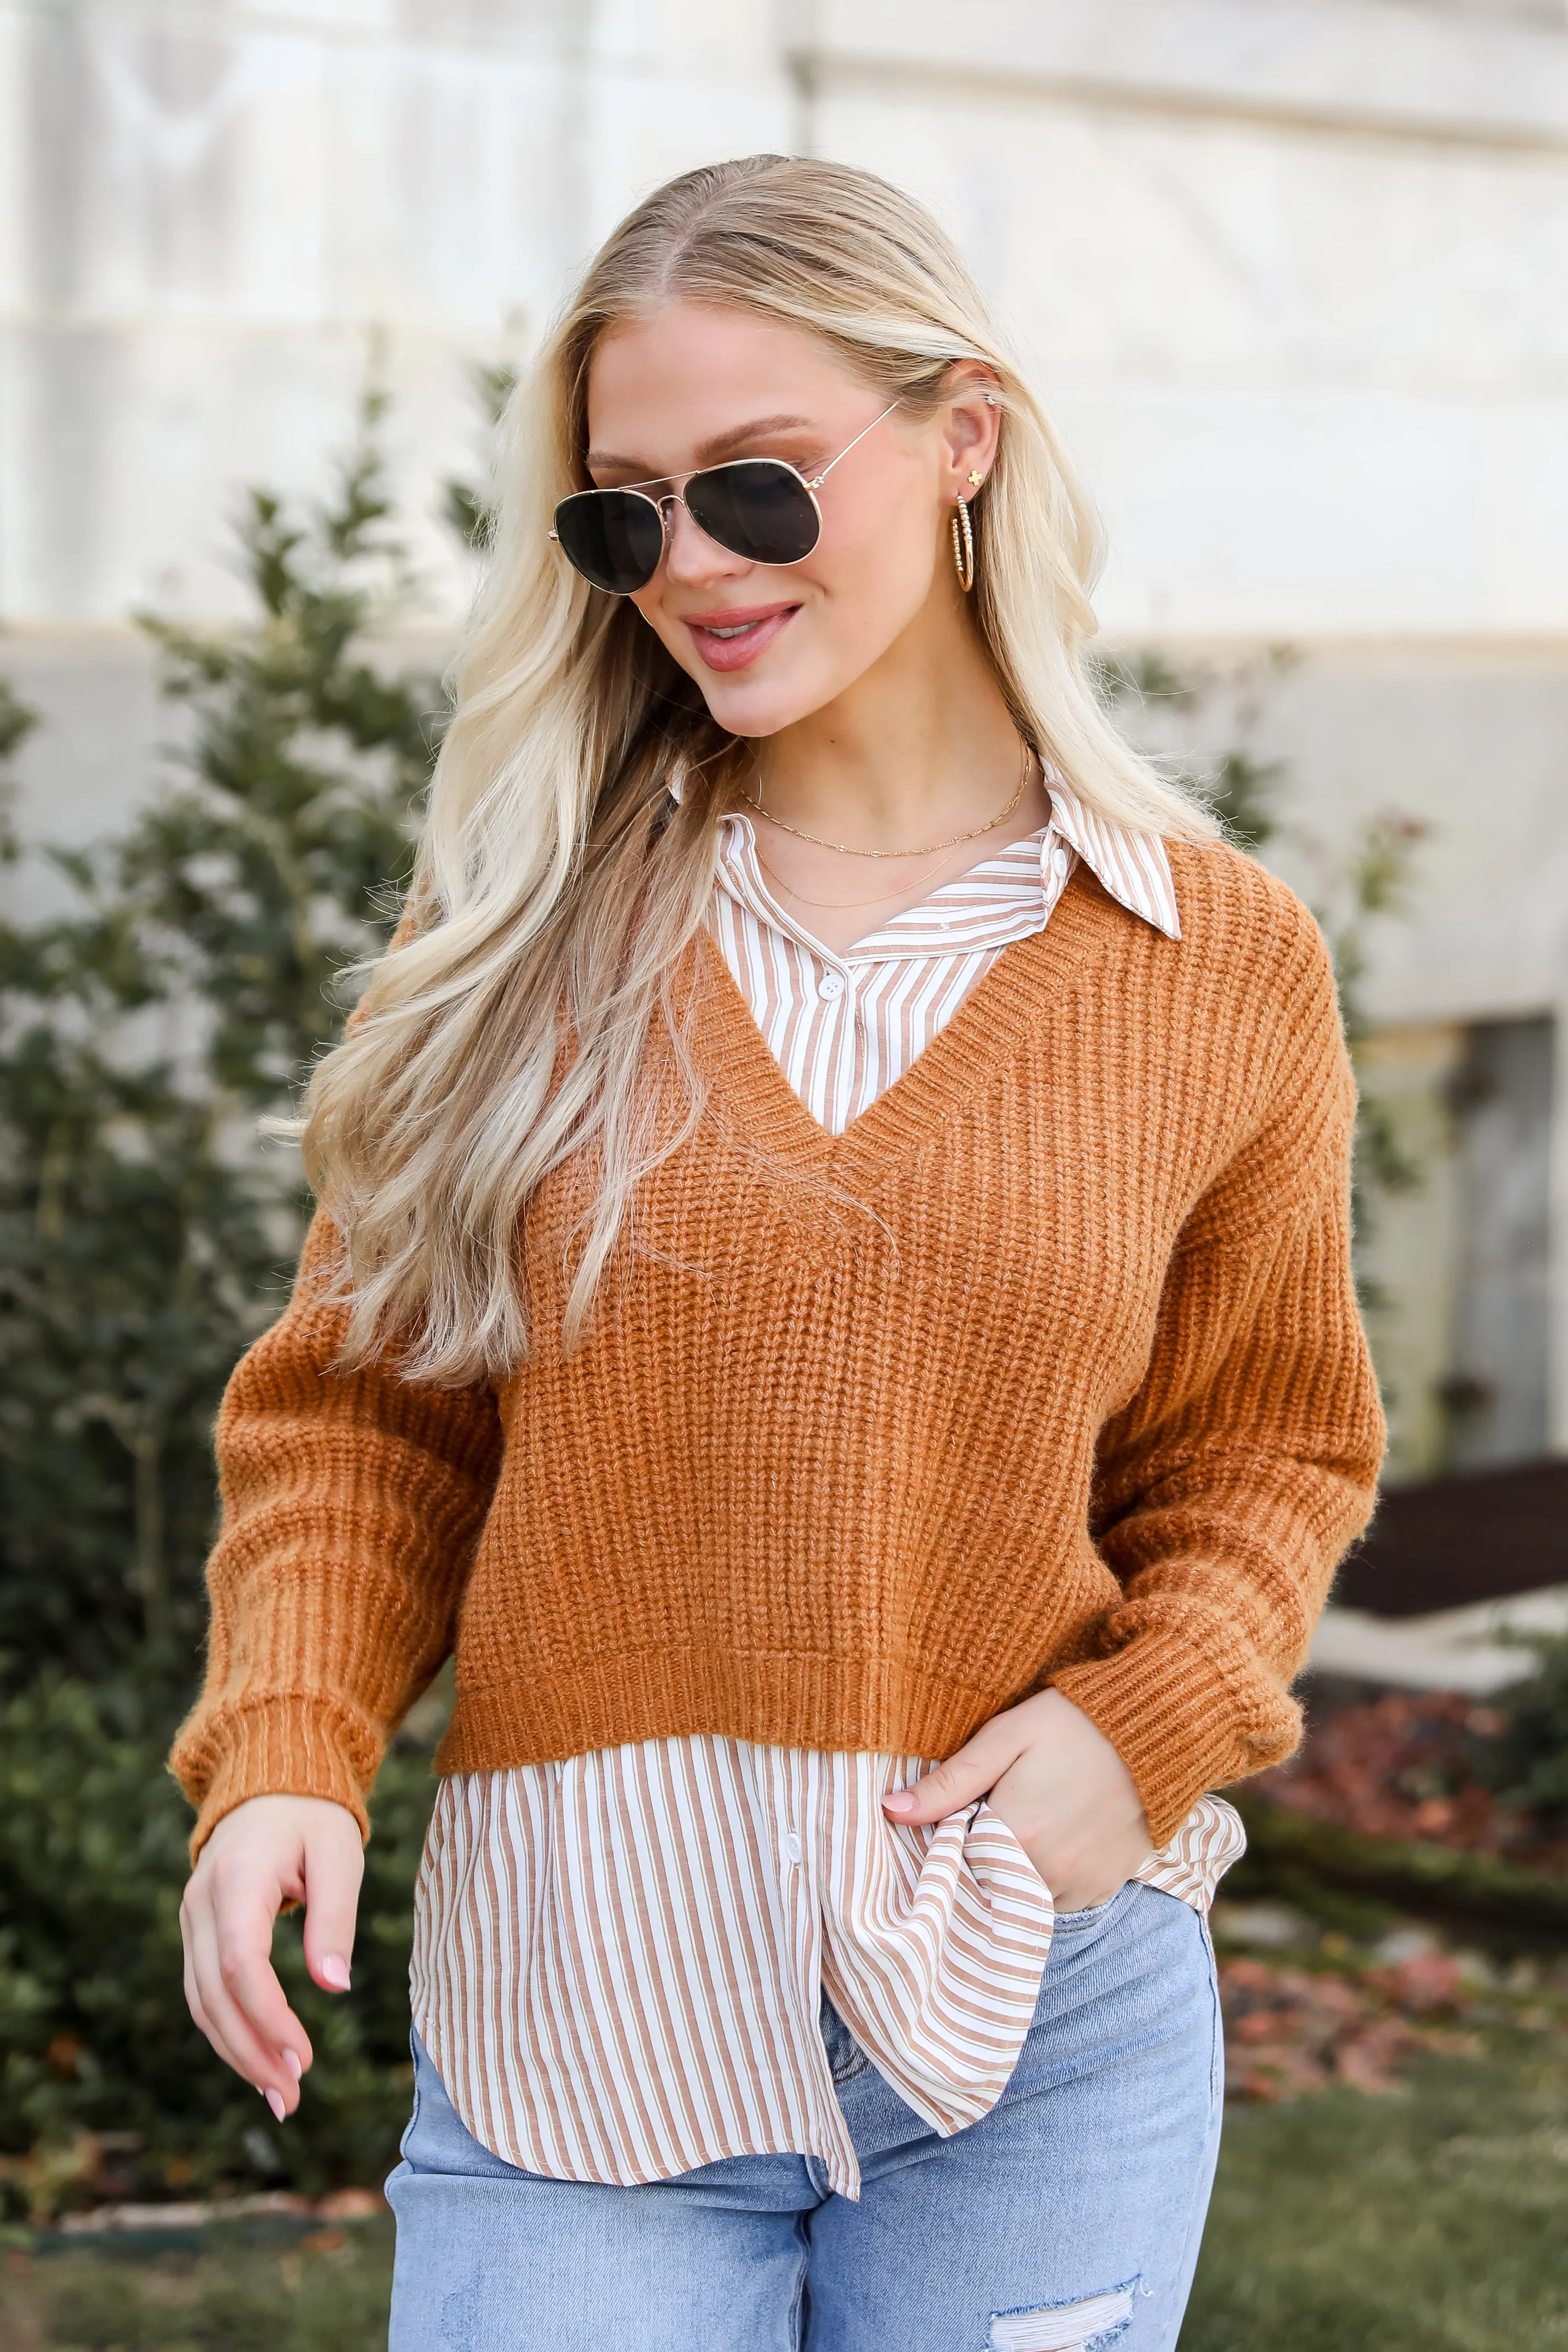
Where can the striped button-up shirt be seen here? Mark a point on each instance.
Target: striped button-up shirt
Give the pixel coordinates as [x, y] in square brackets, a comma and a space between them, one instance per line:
[619, 1960]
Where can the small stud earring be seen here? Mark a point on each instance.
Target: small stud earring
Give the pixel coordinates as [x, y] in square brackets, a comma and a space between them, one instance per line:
[990, 400]
[977, 480]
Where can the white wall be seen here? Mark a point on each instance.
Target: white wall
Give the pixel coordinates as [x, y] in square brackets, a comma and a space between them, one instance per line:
[1293, 272]
[216, 206]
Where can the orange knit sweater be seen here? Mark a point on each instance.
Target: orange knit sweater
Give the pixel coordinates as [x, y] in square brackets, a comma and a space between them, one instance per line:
[1047, 1370]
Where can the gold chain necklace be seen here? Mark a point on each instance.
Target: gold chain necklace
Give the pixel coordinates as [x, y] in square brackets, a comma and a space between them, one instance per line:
[931, 850]
[834, 906]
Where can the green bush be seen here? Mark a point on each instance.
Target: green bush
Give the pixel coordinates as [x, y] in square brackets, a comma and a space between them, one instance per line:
[1527, 1761]
[191, 973]
[180, 991]
[106, 2086]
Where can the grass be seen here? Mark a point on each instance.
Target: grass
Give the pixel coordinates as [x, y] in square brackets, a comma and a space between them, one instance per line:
[326, 2297]
[1432, 2221]
[1435, 2220]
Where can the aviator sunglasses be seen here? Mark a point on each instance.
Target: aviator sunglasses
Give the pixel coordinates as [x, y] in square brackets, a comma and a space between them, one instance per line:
[763, 508]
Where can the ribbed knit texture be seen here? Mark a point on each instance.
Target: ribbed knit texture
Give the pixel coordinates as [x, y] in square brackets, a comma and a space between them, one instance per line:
[1047, 1370]
[619, 1960]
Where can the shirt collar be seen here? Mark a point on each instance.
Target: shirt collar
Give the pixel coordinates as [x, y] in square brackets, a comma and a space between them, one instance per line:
[1133, 868]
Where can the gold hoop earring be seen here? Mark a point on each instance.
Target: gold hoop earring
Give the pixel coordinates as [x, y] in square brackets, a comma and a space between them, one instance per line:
[962, 547]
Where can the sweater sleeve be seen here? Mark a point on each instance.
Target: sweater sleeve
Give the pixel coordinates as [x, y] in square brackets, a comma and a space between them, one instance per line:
[351, 1504]
[1229, 1488]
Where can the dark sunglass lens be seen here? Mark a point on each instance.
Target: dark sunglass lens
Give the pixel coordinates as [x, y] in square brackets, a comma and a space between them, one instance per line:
[757, 508]
[615, 537]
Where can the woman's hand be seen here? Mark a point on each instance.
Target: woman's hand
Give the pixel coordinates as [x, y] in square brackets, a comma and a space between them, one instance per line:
[268, 1852]
[1061, 1787]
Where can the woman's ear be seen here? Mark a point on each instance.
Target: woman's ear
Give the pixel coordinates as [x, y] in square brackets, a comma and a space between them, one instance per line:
[971, 421]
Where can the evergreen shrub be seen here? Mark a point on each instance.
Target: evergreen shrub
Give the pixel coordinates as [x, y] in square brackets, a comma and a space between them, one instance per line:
[107, 2089]
[144, 1238]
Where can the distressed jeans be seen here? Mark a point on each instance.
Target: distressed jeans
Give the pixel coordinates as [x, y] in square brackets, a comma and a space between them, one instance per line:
[1067, 2216]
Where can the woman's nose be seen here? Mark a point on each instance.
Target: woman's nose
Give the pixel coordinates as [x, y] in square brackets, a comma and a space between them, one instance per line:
[690, 555]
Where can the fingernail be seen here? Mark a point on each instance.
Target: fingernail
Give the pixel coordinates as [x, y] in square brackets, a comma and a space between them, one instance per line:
[291, 2060]
[901, 1801]
[335, 1972]
[274, 2100]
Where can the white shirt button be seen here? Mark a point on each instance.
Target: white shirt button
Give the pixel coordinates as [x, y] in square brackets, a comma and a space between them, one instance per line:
[1059, 861]
[791, 1847]
[830, 985]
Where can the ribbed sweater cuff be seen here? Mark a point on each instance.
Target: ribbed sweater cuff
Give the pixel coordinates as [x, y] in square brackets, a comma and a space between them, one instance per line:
[290, 1744]
[1180, 1725]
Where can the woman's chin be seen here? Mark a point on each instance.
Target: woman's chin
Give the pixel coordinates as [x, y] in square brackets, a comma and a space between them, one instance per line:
[751, 703]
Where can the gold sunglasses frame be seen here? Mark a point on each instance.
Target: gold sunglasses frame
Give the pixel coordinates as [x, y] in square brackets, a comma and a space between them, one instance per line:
[674, 495]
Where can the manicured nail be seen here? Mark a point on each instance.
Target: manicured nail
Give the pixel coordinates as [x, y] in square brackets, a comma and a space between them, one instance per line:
[291, 2060]
[335, 1972]
[274, 2100]
[901, 1801]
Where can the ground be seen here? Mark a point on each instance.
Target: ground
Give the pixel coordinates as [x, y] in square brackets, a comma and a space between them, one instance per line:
[1394, 2179]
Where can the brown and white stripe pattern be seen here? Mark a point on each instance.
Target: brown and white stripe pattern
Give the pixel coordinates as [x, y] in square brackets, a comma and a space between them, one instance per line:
[619, 1958]
[843, 1028]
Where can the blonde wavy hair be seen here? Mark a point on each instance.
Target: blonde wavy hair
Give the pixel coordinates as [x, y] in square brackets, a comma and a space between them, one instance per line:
[557, 886]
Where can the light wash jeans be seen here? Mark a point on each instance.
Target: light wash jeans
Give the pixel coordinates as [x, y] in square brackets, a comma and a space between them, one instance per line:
[1069, 2216]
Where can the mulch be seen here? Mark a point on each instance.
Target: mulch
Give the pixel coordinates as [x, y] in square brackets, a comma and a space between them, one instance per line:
[1405, 1766]
[1289, 2030]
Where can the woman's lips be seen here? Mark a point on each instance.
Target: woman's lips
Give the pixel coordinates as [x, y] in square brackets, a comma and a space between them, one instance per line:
[754, 630]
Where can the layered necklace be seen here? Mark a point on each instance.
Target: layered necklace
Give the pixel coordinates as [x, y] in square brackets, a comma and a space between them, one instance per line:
[936, 849]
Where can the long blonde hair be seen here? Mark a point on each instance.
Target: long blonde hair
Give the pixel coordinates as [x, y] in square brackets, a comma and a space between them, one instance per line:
[557, 886]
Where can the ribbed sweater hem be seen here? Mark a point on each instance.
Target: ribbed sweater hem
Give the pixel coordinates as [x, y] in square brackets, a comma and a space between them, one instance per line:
[777, 1697]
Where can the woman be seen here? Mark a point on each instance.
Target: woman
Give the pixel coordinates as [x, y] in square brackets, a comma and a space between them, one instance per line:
[831, 1292]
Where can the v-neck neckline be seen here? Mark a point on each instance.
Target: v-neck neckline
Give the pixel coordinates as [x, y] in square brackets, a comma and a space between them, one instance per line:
[1030, 976]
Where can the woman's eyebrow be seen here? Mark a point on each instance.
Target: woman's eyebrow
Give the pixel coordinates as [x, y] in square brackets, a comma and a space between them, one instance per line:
[708, 452]
[760, 429]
